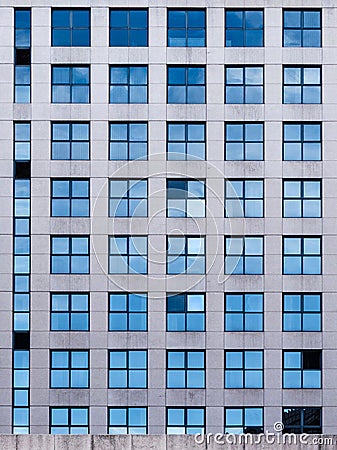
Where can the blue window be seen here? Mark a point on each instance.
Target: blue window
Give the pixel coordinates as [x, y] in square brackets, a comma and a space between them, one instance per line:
[244, 369]
[69, 420]
[185, 369]
[302, 84]
[186, 28]
[70, 198]
[185, 420]
[302, 198]
[69, 312]
[21, 379]
[70, 255]
[244, 420]
[22, 19]
[128, 198]
[128, 141]
[131, 420]
[22, 84]
[70, 27]
[22, 141]
[244, 28]
[128, 27]
[244, 198]
[243, 312]
[127, 312]
[69, 369]
[244, 84]
[302, 420]
[128, 369]
[185, 198]
[70, 140]
[244, 256]
[128, 84]
[128, 254]
[244, 141]
[302, 256]
[302, 369]
[186, 84]
[186, 255]
[302, 312]
[302, 28]
[302, 141]
[186, 141]
[22, 70]
[70, 84]
[185, 312]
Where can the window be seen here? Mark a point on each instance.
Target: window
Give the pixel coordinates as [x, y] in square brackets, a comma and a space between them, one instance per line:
[128, 198]
[302, 84]
[302, 198]
[244, 198]
[244, 420]
[22, 19]
[128, 28]
[186, 84]
[244, 28]
[244, 84]
[302, 312]
[185, 369]
[69, 369]
[302, 28]
[302, 142]
[185, 420]
[128, 369]
[69, 420]
[70, 84]
[302, 420]
[70, 140]
[127, 312]
[128, 141]
[22, 84]
[186, 141]
[302, 369]
[185, 312]
[22, 55]
[243, 312]
[244, 141]
[186, 255]
[70, 198]
[69, 312]
[128, 254]
[132, 420]
[301, 255]
[20, 395]
[186, 28]
[70, 27]
[244, 256]
[128, 84]
[70, 255]
[185, 198]
[244, 369]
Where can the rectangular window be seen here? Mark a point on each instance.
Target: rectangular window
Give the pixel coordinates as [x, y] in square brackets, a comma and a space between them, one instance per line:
[69, 312]
[244, 256]
[186, 369]
[131, 420]
[243, 312]
[244, 141]
[302, 198]
[70, 198]
[244, 84]
[70, 140]
[186, 28]
[69, 420]
[186, 255]
[186, 84]
[22, 23]
[20, 395]
[185, 198]
[127, 312]
[22, 55]
[185, 312]
[69, 369]
[302, 369]
[128, 27]
[70, 255]
[244, 420]
[70, 84]
[302, 312]
[128, 141]
[128, 198]
[244, 369]
[302, 420]
[186, 141]
[302, 28]
[128, 84]
[128, 369]
[70, 27]
[302, 256]
[302, 141]
[244, 28]
[244, 198]
[185, 420]
[128, 254]
[302, 84]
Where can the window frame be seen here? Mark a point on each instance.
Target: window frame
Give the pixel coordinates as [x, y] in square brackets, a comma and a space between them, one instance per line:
[127, 414]
[70, 254]
[128, 85]
[128, 141]
[130, 183]
[302, 198]
[127, 255]
[70, 84]
[186, 28]
[128, 28]
[70, 312]
[302, 312]
[186, 255]
[186, 312]
[187, 199]
[244, 200]
[301, 28]
[186, 410]
[69, 368]
[302, 255]
[186, 368]
[186, 141]
[244, 29]
[245, 371]
[243, 255]
[127, 311]
[71, 28]
[186, 85]
[244, 141]
[244, 85]
[302, 141]
[302, 369]
[243, 312]
[302, 68]
[71, 140]
[70, 198]
[69, 409]
[127, 368]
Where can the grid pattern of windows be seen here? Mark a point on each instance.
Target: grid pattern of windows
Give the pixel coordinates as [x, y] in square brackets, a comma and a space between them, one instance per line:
[69, 420]
[185, 312]
[127, 312]
[302, 256]
[302, 369]
[302, 141]
[244, 256]
[70, 198]
[69, 255]
[70, 84]
[128, 141]
[185, 369]
[244, 28]
[244, 84]
[186, 255]
[70, 140]
[185, 420]
[70, 27]
[244, 198]
[244, 420]
[302, 312]
[244, 141]
[243, 312]
[301, 28]
[186, 141]
[302, 420]
[186, 28]
[302, 198]
[69, 312]
[186, 84]
[244, 369]
[128, 369]
[128, 254]
[185, 198]
[128, 84]
[302, 84]
[132, 420]
[128, 198]
[128, 27]
[69, 369]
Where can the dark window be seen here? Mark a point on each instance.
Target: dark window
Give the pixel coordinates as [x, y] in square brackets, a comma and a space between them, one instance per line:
[302, 420]
[244, 28]
[186, 84]
[186, 369]
[244, 256]
[65, 420]
[244, 198]
[131, 420]
[70, 198]
[243, 312]
[69, 255]
[186, 28]
[128, 141]
[128, 254]
[302, 28]
[244, 84]
[244, 369]
[302, 142]
[128, 369]
[185, 198]
[128, 84]
[302, 198]
[186, 141]
[69, 312]
[128, 198]
[186, 255]
[185, 420]
[302, 369]
[128, 27]
[70, 84]
[302, 84]
[302, 256]
[70, 27]
[244, 141]
[185, 312]
[244, 420]
[302, 312]
[69, 369]
[127, 312]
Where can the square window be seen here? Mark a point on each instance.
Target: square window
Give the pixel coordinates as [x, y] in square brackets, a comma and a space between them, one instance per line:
[128, 84]
[186, 369]
[69, 255]
[128, 369]
[302, 198]
[244, 141]
[130, 420]
[128, 198]
[244, 84]
[70, 140]
[244, 198]
[186, 84]
[302, 369]
[127, 312]
[185, 420]
[302, 255]
[244, 420]
[128, 141]
[302, 141]
[69, 369]
[67, 420]
[302, 85]
[186, 141]
[70, 84]
[186, 255]
[70, 27]
[128, 27]
[244, 369]
[70, 198]
[302, 312]
[302, 28]
[185, 198]
[128, 254]
[185, 312]
[69, 312]
[244, 255]
[244, 28]
[244, 312]
[186, 28]
[302, 420]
